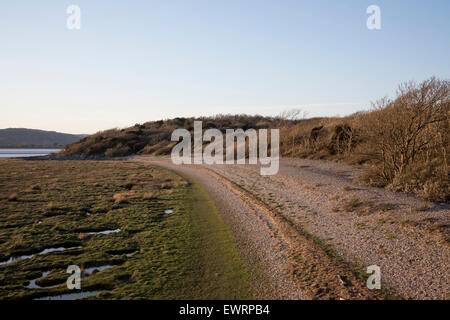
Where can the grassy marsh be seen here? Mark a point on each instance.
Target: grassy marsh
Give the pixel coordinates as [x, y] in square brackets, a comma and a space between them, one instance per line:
[187, 254]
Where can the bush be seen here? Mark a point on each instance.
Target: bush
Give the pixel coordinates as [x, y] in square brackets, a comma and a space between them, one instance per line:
[118, 151]
[407, 139]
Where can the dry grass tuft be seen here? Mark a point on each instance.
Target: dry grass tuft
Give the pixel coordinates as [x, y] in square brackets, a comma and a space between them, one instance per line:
[166, 185]
[134, 276]
[13, 197]
[422, 208]
[384, 207]
[124, 197]
[17, 241]
[52, 206]
[33, 188]
[128, 185]
[350, 204]
[150, 196]
[82, 236]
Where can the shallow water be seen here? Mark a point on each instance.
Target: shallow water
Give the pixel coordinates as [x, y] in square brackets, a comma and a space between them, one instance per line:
[18, 153]
[57, 250]
[33, 285]
[71, 296]
[13, 259]
[89, 271]
[105, 231]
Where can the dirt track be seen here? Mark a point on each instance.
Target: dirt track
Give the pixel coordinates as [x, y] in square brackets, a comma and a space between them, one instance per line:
[293, 229]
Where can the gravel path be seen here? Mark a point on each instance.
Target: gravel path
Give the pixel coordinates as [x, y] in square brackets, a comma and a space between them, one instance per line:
[263, 252]
[408, 238]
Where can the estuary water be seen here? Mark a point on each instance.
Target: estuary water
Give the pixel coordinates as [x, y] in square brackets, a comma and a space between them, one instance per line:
[18, 153]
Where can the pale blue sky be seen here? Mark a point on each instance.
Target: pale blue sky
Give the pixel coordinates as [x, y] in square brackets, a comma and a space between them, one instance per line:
[135, 61]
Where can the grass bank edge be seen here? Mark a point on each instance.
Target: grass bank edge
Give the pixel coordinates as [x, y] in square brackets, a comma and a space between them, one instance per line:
[226, 276]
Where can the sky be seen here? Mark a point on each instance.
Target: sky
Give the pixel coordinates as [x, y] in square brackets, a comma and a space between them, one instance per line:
[136, 61]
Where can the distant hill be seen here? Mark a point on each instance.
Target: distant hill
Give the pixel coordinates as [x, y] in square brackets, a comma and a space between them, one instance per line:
[31, 138]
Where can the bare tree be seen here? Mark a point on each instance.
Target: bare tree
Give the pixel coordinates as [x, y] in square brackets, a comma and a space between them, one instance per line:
[286, 121]
[292, 115]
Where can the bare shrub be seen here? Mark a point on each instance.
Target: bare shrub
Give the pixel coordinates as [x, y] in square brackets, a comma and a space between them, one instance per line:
[342, 140]
[118, 151]
[408, 139]
[17, 241]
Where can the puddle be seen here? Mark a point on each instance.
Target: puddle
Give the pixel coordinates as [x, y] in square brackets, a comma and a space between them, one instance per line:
[33, 285]
[105, 231]
[13, 259]
[57, 250]
[118, 253]
[126, 255]
[168, 211]
[71, 296]
[89, 271]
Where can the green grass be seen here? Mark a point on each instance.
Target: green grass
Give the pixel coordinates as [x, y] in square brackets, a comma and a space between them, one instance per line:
[187, 254]
[214, 252]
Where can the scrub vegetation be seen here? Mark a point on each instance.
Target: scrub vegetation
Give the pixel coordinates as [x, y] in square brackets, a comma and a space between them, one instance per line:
[402, 142]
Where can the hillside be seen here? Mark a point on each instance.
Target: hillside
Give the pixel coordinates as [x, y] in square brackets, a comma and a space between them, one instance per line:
[154, 137]
[404, 143]
[31, 138]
